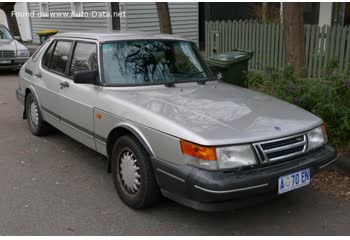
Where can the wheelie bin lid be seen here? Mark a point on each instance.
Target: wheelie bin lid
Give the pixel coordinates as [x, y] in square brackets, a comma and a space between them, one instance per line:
[228, 58]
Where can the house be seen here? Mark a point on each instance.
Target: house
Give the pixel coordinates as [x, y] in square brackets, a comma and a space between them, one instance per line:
[104, 16]
[188, 18]
[23, 20]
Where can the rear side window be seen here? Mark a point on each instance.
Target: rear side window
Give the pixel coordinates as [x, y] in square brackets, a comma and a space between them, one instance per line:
[84, 58]
[47, 56]
[60, 56]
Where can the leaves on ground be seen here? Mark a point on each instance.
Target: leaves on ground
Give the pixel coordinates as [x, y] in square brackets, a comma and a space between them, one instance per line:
[332, 182]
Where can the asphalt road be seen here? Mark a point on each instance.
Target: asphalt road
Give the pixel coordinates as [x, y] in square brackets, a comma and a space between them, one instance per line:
[56, 186]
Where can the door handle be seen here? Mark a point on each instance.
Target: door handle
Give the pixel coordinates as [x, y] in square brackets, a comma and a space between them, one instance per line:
[64, 84]
[38, 75]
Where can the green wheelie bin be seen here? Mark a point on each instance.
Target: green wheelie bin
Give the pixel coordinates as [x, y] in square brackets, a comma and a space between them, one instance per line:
[232, 66]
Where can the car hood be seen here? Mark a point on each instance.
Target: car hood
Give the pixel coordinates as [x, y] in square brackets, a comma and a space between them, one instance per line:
[11, 44]
[212, 114]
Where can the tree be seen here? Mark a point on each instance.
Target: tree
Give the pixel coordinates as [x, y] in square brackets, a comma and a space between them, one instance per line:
[8, 8]
[293, 20]
[264, 11]
[164, 17]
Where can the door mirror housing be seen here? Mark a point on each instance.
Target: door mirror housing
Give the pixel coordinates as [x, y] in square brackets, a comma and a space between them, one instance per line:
[85, 77]
[18, 38]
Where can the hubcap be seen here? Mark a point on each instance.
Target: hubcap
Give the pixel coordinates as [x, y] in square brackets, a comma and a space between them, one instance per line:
[130, 171]
[34, 114]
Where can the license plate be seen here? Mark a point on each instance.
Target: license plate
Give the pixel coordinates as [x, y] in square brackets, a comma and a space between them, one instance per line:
[293, 181]
[5, 61]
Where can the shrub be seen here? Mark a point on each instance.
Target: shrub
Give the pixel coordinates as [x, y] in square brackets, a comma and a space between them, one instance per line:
[327, 97]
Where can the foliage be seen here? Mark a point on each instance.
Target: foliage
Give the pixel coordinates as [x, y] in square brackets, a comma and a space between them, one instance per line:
[273, 11]
[327, 97]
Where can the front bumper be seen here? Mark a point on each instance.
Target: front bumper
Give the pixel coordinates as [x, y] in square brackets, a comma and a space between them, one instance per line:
[223, 190]
[11, 63]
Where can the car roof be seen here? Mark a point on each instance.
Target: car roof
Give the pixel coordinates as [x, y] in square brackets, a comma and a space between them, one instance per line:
[117, 35]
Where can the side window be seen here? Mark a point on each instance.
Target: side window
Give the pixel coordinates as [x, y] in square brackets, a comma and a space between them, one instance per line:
[47, 56]
[60, 56]
[84, 58]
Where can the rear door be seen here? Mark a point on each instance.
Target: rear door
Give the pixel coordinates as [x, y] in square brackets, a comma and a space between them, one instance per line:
[77, 100]
[50, 73]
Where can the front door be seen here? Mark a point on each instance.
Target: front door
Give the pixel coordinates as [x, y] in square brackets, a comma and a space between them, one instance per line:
[77, 100]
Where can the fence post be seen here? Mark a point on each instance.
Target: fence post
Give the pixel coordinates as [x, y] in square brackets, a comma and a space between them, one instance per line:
[347, 55]
[322, 51]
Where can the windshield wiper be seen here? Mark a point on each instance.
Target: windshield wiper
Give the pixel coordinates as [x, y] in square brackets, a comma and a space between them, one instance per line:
[193, 73]
[199, 81]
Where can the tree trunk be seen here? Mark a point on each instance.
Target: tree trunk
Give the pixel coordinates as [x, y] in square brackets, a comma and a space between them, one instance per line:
[293, 14]
[164, 17]
[264, 11]
[8, 7]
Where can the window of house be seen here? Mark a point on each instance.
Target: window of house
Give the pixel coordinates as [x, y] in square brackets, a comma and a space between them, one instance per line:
[47, 56]
[44, 9]
[84, 58]
[60, 56]
[77, 9]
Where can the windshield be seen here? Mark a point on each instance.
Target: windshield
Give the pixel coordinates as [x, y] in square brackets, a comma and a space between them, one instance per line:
[4, 33]
[142, 62]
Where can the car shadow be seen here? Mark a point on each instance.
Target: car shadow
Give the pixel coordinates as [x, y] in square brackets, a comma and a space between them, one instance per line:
[8, 72]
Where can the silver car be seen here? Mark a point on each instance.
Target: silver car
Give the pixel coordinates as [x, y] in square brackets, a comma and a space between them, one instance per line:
[166, 124]
[13, 54]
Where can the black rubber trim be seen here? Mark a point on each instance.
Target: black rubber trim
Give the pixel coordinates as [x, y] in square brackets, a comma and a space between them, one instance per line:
[74, 125]
[101, 139]
[219, 190]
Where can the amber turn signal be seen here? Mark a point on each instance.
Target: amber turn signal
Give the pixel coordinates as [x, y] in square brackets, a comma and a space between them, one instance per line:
[198, 151]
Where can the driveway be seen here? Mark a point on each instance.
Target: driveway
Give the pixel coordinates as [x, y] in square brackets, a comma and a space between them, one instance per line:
[55, 186]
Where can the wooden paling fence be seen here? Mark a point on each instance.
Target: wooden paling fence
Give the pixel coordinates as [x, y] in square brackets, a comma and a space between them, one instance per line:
[322, 44]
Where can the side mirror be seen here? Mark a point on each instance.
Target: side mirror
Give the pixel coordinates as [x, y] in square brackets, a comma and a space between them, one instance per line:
[85, 77]
[18, 38]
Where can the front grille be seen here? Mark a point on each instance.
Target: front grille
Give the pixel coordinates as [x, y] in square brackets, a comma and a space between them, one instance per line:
[7, 54]
[280, 149]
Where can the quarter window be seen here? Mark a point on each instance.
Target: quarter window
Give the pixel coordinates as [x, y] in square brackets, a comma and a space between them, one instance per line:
[60, 56]
[84, 58]
[47, 56]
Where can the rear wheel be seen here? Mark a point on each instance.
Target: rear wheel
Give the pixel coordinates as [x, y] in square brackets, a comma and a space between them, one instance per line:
[36, 123]
[133, 174]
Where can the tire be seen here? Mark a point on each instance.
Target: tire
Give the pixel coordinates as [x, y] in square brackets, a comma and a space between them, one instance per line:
[139, 188]
[36, 123]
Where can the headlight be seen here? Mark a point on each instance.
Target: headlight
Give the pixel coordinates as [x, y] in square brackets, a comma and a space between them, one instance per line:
[235, 156]
[212, 158]
[316, 137]
[22, 53]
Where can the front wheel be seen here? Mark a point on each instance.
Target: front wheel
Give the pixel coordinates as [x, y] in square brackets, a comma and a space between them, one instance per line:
[133, 174]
